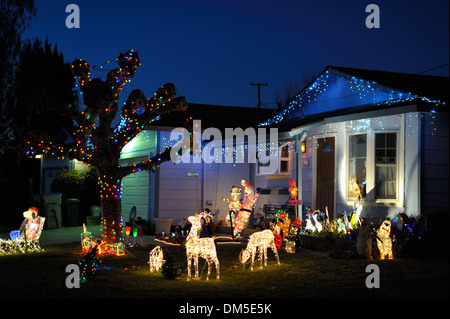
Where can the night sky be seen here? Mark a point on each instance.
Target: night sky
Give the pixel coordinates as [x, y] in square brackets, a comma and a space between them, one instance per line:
[212, 50]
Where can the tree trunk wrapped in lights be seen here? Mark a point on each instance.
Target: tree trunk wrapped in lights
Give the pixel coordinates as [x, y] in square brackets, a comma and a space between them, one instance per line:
[100, 145]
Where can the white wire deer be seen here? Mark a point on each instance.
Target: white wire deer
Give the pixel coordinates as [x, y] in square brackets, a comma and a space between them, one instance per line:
[200, 247]
[259, 241]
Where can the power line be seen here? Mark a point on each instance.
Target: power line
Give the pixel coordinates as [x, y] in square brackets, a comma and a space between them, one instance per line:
[435, 68]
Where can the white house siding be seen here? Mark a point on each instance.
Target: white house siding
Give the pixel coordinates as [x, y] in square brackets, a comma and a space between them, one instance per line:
[219, 179]
[435, 171]
[276, 185]
[53, 166]
[185, 189]
[407, 185]
[179, 195]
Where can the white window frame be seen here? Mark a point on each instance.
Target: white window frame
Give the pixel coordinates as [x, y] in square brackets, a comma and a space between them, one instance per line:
[371, 167]
[348, 161]
[288, 160]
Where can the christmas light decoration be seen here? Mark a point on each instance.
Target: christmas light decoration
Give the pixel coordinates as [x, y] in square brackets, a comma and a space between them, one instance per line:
[320, 94]
[356, 217]
[384, 240]
[88, 265]
[258, 243]
[312, 222]
[245, 207]
[26, 239]
[88, 242]
[233, 204]
[200, 247]
[100, 145]
[118, 249]
[156, 259]
[293, 190]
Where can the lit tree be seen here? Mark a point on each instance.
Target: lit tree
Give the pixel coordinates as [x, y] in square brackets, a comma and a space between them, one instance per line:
[99, 144]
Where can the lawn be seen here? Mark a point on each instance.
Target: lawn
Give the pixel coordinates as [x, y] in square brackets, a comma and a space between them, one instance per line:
[305, 275]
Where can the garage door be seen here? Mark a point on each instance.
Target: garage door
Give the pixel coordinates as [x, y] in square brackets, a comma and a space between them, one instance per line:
[135, 192]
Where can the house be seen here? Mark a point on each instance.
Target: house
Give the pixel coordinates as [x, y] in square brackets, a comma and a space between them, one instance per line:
[380, 135]
[174, 191]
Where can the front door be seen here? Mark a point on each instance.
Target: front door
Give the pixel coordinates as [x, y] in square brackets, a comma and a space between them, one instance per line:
[325, 175]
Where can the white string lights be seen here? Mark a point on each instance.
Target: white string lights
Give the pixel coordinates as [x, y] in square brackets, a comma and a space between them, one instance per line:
[259, 242]
[348, 88]
[384, 240]
[25, 239]
[200, 247]
[156, 260]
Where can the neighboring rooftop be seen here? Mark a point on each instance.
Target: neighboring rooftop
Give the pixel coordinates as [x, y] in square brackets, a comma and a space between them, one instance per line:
[218, 116]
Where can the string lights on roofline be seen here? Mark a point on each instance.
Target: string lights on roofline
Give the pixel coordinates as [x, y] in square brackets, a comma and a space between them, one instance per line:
[369, 91]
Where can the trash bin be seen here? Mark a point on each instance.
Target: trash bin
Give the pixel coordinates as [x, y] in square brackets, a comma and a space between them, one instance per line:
[52, 210]
[162, 225]
[95, 218]
[73, 207]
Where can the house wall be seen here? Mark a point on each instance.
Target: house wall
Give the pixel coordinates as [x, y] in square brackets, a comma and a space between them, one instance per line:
[185, 189]
[435, 172]
[408, 172]
[53, 166]
[219, 180]
[276, 185]
[138, 189]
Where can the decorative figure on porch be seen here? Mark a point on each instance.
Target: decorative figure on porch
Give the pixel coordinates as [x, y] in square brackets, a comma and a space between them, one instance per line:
[312, 222]
[364, 240]
[245, 207]
[283, 224]
[259, 242]
[293, 190]
[233, 206]
[355, 221]
[384, 240]
[200, 247]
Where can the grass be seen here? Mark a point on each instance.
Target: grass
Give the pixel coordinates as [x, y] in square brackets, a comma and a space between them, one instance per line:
[302, 275]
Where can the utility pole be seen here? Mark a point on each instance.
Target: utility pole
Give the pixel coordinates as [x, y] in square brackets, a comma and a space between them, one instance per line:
[259, 91]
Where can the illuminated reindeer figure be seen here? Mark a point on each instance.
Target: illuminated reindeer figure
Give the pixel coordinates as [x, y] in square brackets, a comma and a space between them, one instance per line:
[259, 241]
[200, 247]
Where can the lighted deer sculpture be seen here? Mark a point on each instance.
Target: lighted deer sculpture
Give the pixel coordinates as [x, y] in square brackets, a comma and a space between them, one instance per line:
[200, 247]
[259, 241]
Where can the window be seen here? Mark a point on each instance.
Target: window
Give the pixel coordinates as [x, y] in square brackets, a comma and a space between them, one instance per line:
[284, 155]
[357, 165]
[285, 159]
[386, 165]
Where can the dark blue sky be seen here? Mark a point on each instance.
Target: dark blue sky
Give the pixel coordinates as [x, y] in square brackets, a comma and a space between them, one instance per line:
[212, 50]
